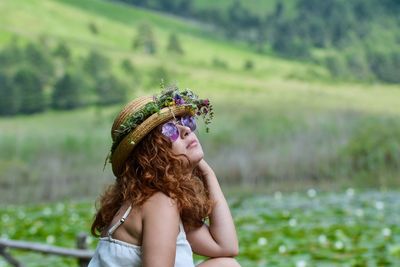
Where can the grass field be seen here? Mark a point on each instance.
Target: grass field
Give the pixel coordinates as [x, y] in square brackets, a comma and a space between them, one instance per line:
[308, 228]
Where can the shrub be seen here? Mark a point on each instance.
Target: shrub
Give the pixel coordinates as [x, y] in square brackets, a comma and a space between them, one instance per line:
[110, 90]
[374, 147]
[145, 39]
[11, 54]
[32, 99]
[357, 65]
[159, 75]
[93, 28]
[9, 96]
[40, 60]
[248, 64]
[336, 66]
[127, 66]
[96, 64]
[66, 92]
[62, 51]
[385, 66]
[174, 44]
[219, 63]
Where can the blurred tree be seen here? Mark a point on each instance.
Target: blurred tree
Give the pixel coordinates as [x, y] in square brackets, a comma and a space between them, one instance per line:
[138, 2]
[279, 9]
[363, 10]
[238, 18]
[336, 66]
[66, 92]
[174, 45]
[385, 65]
[96, 64]
[212, 16]
[93, 28]
[62, 51]
[28, 83]
[341, 23]
[316, 32]
[9, 96]
[11, 54]
[287, 43]
[41, 61]
[392, 6]
[158, 75]
[357, 65]
[145, 39]
[294, 29]
[248, 64]
[110, 90]
[133, 77]
[374, 147]
[127, 66]
[184, 8]
[97, 67]
[168, 6]
[219, 63]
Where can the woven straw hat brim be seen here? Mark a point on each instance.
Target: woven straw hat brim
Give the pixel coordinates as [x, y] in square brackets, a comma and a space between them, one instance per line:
[128, 110]
[126, 146]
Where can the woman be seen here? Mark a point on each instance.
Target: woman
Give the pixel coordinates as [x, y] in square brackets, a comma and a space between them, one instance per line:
[154, 214]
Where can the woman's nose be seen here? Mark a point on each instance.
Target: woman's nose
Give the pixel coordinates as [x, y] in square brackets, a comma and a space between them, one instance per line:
[184, 131]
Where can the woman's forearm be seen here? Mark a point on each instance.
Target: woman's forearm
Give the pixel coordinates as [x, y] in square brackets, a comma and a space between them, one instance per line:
[221, 228]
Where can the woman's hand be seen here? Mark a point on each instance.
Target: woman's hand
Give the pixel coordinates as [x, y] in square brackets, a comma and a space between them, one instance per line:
[204, 168]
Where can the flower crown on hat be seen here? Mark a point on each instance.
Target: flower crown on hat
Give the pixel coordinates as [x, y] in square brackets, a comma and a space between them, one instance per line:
[169, 97]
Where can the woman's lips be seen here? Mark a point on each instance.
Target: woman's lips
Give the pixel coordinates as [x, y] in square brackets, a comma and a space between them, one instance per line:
[192, 144]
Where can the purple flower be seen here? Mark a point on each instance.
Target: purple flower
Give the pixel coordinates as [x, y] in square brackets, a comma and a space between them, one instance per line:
[179, 100]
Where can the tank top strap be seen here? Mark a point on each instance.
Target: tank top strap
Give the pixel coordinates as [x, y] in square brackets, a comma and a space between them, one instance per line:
[181, 229]
[121, 221]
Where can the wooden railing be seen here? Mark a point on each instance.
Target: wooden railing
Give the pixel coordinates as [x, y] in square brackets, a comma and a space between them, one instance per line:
[81, 253]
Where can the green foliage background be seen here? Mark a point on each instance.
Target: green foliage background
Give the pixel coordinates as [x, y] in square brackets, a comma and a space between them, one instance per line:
[279, 123]
[282, 124]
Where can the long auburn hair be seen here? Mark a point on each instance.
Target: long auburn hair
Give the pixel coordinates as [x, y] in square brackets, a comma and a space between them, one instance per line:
[151, 168]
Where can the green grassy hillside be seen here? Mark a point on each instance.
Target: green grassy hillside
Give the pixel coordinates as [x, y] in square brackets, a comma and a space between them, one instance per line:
[282, 123]
[355, 40]
[68, 21]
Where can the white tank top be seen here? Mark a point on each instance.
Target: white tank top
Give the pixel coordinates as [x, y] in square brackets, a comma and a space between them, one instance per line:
[112, 252]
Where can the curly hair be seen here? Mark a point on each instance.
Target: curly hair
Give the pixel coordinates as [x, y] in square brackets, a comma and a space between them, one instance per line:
[151, 168]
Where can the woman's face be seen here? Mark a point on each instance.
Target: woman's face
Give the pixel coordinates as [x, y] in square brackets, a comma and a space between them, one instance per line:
[186, 142]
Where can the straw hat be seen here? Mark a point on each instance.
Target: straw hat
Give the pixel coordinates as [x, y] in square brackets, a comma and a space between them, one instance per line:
[163, 108]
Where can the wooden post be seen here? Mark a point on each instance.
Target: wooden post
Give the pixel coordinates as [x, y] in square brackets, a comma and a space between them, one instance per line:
[7, 256]
[81, 243]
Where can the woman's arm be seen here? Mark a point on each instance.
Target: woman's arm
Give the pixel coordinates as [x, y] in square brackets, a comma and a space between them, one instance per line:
[219, 239]
[160, 230]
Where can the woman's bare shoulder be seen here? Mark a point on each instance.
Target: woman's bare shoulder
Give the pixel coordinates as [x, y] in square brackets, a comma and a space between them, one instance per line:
[160, 205]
